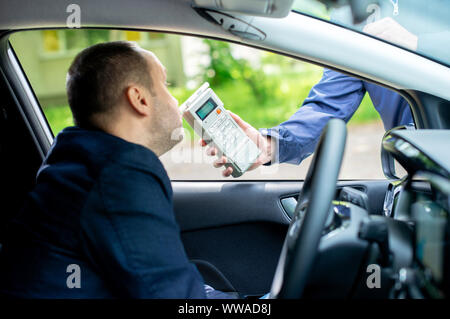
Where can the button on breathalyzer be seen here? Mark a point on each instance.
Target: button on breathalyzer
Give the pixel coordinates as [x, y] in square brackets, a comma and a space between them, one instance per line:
[205, 113]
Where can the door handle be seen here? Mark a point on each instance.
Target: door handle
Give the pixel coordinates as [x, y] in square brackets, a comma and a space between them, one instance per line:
[289, 204]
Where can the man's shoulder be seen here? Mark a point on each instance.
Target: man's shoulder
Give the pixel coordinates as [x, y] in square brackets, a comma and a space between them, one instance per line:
[100, 149]
[138, 163]
[123, 171]
[126, 169]
[134, 185]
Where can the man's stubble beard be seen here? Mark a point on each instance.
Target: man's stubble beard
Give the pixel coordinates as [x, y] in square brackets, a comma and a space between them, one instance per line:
[177, 136]
[171, 137]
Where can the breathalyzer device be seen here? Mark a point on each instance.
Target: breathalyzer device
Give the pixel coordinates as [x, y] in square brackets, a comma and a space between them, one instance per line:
[205, 113]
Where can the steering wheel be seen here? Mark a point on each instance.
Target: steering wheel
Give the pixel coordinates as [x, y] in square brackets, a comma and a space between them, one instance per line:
[312, 210]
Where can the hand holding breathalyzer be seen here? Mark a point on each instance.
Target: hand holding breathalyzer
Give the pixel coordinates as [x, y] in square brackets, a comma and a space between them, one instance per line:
[205, 113]
[263, 143]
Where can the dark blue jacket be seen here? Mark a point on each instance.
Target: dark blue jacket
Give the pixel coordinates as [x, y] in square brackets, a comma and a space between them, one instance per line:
[105, 205]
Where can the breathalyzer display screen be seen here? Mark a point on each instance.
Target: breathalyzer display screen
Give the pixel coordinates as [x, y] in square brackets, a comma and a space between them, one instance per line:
[206, 108]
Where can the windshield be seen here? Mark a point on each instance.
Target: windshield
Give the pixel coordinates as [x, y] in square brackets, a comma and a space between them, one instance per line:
[417, 25]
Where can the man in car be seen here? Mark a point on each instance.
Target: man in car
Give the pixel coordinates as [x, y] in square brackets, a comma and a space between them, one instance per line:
[335, 96]
[100, 221]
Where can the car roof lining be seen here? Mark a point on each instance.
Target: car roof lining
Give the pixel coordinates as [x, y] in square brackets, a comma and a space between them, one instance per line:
[109, 14]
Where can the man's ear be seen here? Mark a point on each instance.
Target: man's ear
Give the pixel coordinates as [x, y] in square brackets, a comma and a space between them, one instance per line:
[138, 99]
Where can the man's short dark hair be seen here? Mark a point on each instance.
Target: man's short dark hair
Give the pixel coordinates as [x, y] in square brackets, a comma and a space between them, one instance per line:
[98, 76]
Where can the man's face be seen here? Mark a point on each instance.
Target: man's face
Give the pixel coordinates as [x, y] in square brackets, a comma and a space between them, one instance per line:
[166, 118]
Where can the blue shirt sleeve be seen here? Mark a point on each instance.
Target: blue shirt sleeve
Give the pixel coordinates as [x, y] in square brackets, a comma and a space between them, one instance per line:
[335, 96]
[131, 236]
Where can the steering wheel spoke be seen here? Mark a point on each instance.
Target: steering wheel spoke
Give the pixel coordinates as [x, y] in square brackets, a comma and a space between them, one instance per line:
[311, 214]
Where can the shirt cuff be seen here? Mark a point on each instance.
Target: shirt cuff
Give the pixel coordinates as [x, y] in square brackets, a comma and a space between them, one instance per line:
[275, 139]
[286, 148]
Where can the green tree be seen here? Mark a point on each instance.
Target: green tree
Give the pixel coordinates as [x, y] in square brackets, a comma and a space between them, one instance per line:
[224, 68]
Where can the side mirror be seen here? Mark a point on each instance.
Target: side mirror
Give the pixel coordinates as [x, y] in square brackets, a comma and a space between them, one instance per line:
[391, 168]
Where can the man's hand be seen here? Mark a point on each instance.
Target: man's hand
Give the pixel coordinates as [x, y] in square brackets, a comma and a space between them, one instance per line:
[263, 142]
[390, 30]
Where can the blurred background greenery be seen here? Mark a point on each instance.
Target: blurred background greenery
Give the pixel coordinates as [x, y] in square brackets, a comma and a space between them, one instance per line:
[264, 90]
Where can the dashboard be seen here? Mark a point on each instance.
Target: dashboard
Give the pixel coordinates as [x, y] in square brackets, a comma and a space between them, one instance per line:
[422, 200]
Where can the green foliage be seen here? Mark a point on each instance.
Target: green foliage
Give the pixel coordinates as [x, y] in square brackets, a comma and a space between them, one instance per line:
[263, 95]
[58, 117]
[224, 68]
[78, 40]
[287, 97]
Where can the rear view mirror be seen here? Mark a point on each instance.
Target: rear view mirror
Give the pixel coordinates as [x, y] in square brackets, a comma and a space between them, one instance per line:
[264, 8]
[358, 7]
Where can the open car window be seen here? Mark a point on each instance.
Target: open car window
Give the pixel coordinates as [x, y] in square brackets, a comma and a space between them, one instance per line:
[263, 88]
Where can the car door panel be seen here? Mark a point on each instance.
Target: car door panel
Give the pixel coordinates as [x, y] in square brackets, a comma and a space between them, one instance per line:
[239, 227]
